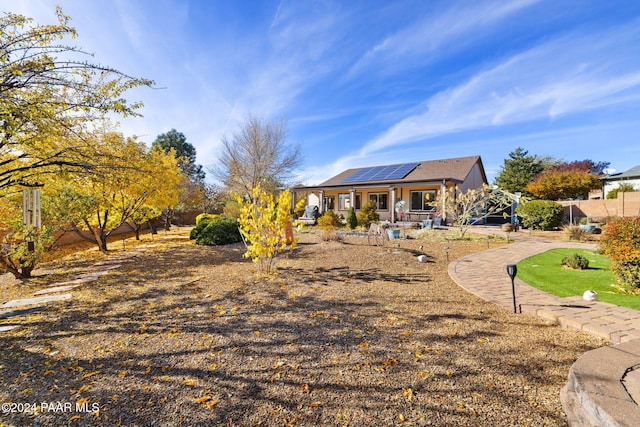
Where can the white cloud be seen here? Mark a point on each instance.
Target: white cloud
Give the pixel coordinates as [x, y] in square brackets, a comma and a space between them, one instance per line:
[564, 76]
[450, 29]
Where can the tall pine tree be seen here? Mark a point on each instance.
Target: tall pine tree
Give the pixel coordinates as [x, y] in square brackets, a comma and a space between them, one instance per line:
[518, 171]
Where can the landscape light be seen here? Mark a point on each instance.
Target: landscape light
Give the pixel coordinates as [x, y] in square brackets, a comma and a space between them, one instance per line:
[512, 270]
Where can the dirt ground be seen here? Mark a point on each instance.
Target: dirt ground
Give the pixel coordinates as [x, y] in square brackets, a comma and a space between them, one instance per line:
[346, 334]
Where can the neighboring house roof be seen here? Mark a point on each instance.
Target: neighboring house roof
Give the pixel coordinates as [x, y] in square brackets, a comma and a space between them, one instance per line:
[456, 169]
[632, 173]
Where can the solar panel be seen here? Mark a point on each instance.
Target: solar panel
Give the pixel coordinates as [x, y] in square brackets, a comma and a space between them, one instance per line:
[381, 173]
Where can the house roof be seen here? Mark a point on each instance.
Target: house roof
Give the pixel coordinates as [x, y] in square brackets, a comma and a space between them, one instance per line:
[456, 169]
[634, 172]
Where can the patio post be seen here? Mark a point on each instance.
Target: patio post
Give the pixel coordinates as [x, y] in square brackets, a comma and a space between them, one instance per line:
[392, 205]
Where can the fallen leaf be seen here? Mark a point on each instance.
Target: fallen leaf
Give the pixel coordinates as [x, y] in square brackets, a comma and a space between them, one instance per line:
[210, 404]
[390, 361]
[90, 374]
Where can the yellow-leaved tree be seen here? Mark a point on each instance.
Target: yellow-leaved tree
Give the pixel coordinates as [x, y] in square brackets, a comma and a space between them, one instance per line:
[49, 90]
[266, 225]
[129, 182]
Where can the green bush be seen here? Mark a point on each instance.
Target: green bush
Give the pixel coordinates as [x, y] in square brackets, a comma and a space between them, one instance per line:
[329, 219]
[201, 223]
[352, 220]
[576, 262]
[541, 214]
[368, 214]
[218, 231]
[620, 242]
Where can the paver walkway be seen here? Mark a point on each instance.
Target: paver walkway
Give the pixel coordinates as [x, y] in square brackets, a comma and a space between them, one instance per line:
[603, 386]
[484, 275]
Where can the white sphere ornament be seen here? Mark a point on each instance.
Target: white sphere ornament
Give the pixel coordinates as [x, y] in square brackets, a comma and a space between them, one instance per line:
[590, 295]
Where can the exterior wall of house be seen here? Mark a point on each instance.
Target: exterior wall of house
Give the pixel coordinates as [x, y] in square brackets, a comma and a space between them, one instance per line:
[473, 180]
[403, 193]
[610, 185]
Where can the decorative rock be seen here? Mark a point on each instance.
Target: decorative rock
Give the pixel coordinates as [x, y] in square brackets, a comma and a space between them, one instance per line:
[590, 295]
[5, 328]
[422, 258]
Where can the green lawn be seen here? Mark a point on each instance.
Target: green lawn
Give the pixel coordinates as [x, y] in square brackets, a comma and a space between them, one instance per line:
[545, 272]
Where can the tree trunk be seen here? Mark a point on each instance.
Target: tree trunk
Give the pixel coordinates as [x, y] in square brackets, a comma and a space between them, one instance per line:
[18, 271]
[103, 242]
[152, 228]
[168, 215]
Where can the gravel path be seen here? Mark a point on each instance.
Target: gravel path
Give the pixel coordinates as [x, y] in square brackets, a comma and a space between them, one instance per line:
[345, 334]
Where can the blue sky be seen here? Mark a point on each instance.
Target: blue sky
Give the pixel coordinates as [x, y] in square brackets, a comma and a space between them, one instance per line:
[363, 83]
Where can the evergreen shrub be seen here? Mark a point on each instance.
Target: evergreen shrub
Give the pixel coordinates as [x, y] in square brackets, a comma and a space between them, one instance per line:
[541, 214]
[217, 231]
[352, 219]
[576, 262]
[368, 214]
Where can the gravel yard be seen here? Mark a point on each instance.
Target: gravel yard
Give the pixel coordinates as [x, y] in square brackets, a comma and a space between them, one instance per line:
[345, 334]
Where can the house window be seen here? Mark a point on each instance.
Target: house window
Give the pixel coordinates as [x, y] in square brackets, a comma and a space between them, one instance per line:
[423, 200]
[380, 200]
[344, 201]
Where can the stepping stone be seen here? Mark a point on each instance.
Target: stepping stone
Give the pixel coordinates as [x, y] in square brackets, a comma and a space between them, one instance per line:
[109, 262]
[107, 267]
[6, 328]
[22, 312]
[76, 281]
[53, 290]
[35, 301]
[94, 275]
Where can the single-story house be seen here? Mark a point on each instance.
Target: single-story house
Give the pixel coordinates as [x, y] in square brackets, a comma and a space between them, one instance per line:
[405, 191]
[632, 176]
